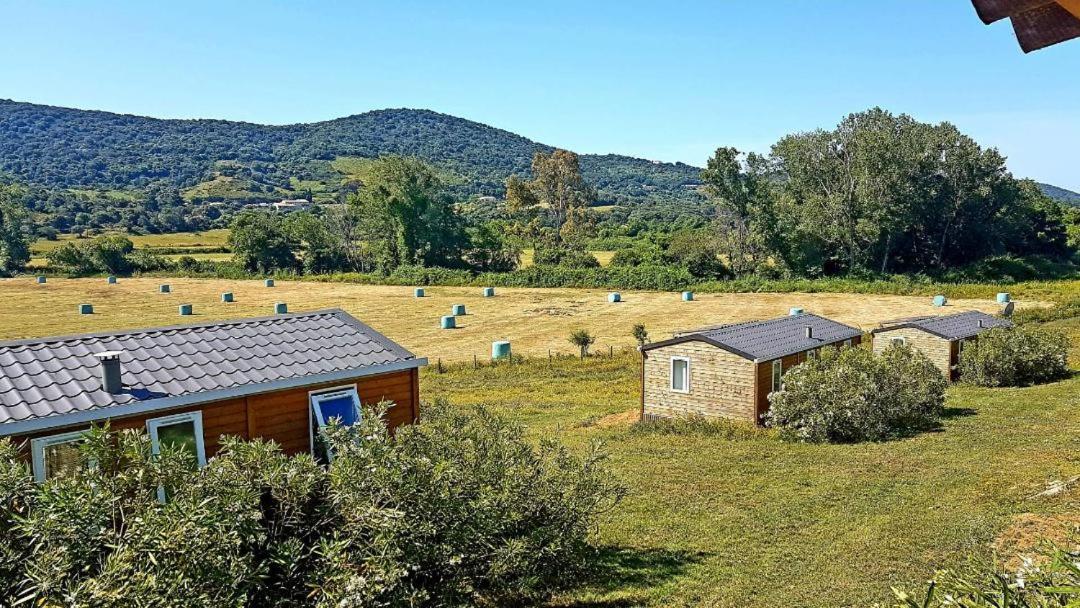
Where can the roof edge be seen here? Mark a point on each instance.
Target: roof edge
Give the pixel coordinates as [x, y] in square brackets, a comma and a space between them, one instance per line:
[32, 425]
[696, 338]
[142, 330]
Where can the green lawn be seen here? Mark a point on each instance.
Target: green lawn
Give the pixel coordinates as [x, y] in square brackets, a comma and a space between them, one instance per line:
[757, 521]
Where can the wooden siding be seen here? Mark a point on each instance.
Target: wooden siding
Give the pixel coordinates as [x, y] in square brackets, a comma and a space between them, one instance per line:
[764, 374]
[721, 383]
[942, 352]
[280, 416]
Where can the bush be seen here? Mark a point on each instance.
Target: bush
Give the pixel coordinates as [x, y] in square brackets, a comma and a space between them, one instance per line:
[1052, 580]
[459, 509]
[1015, 356]
[852, 395]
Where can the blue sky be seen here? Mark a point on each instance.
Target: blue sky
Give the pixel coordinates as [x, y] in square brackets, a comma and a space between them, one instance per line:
[660, 80]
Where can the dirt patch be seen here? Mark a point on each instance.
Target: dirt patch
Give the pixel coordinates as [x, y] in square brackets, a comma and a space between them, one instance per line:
[550, 311]
[1030, 534]
[621, 419]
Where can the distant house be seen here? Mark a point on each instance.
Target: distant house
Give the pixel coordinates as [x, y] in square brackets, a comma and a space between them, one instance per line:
[728, 371]
[940, 338]
[292, 204]
[279, 378]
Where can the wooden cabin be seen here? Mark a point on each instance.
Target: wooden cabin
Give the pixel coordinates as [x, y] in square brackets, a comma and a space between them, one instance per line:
[728, 371]
[279, 378]
[941, 338]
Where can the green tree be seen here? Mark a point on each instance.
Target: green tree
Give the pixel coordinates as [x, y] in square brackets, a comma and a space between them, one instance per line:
[407, 214]
[14, 235]
[260, 242]
[491, 249]
[110, 253]
[582, 339]
[641, 335]
[557, 194]
[744, 219]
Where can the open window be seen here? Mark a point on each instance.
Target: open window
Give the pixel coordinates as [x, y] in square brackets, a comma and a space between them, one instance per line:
[181, 431]
[897, 341]
[680, 374]
[56, 455]
[341, 405]
[777, 375]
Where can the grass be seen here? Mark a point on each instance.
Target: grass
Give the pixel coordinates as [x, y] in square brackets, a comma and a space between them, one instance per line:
[534, 320]
[721, 515]
[209, 238]
[604, 257]
[737, 517]
[177, 240]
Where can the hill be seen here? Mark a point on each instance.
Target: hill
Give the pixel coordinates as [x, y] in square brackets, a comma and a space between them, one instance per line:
[1061, 194]
[219, 160]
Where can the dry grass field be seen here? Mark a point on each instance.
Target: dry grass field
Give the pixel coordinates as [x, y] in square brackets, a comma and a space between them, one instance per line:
[534, 320]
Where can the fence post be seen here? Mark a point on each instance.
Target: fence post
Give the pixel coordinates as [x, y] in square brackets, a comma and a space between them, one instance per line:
[611, 351]
[439, 368]
[474, 361]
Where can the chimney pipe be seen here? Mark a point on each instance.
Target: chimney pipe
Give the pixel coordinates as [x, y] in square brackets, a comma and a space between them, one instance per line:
[110, 371]
[980, 323]
[809, 332]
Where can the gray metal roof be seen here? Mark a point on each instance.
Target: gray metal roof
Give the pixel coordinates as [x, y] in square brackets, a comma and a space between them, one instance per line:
[771, 339]
[951, 327]
[60, 377]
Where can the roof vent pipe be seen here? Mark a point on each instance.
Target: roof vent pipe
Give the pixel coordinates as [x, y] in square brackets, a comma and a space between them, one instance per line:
[809, 332]
[110, 371]
[980, 323]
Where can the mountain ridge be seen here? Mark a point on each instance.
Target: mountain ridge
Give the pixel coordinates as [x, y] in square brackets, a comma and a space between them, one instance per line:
[72, 148]
[240, 161]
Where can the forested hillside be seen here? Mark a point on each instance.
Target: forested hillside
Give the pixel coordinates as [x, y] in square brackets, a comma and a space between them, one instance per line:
[222, 160]
[1061, 194]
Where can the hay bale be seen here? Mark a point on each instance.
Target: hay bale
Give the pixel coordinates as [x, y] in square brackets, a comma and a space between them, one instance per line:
[86, 309]
[457, 310]
[614, 297]
[185, 310]
[940, 300]
[227, 296]
[418, 292]
[489, 292]
[281, 308]
[687, 296]
[449, 322]
[165, 288]
[500, 350]
[269, 282]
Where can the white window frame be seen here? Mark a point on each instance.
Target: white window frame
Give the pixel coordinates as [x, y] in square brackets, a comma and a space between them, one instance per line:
[38, 445]
[777, 375]
[848, 343]
[152, 426]
[671, 375]
[314, 397]
[813, 353]
[901, 340]
[195, 418]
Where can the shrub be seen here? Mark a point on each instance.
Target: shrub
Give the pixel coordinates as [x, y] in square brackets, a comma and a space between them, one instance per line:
[582, 339]
[641, 335]
[851, 395]
[459, 509]
[1053, 580]
[1015, 356]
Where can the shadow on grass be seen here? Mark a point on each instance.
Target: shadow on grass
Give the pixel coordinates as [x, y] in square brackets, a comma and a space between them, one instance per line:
[626, 573]
[950, 413]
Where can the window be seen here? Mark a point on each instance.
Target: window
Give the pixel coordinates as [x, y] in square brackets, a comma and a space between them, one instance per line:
[897, 341]
[182, 431]
[680, 374]
[777, 376]
[847, 343]
[812, 354]
[55, 455]
[340, 404]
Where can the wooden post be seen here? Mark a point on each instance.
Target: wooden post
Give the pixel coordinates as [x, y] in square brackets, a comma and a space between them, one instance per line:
[439, 368]
[474, 361]
[611, 351]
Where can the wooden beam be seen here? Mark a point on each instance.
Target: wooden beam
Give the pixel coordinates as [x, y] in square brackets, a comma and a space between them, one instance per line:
[1073, 6]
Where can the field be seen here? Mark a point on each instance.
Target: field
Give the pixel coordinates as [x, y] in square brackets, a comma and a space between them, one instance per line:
[534, 320]
[179, 240]
[749, 520]
[732, 517]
